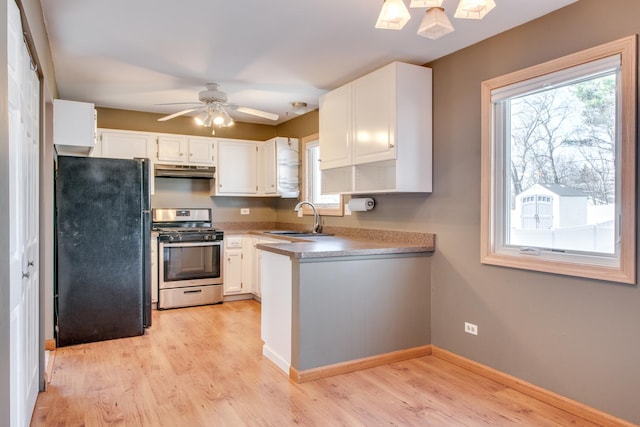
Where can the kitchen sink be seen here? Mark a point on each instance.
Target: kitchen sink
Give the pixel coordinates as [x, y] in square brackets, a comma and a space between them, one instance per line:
[293, 233]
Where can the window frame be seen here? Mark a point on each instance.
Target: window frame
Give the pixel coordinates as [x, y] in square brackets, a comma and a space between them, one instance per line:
[322, 210]
[586, 265]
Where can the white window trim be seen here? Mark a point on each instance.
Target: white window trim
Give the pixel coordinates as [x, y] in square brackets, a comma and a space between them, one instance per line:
[322, 210]
[619, 269]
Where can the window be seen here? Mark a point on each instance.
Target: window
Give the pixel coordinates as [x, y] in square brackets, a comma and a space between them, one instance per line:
[558, 165]
[327, 204]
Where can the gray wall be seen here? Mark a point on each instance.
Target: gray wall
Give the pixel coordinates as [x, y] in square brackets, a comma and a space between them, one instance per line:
[194, 193]
[573, 336]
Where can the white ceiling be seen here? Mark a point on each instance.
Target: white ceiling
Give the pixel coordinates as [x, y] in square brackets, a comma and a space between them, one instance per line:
[135, 54]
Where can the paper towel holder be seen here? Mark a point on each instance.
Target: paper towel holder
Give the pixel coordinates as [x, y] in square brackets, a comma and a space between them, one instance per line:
[362, 204]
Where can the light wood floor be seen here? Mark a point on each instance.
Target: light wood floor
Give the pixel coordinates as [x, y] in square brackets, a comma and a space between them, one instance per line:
[202, 366]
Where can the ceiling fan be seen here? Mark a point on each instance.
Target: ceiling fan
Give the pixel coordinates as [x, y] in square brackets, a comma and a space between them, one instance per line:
[212, 109]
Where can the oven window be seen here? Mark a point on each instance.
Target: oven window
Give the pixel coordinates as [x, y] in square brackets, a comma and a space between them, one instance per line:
[191, 262]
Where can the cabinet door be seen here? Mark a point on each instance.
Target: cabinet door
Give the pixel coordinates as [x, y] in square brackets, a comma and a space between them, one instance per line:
[335, 128]
[233, 271]
[202, 151]
[237, 168]
[269, 168]
[248, 264]
[126, 145]
[373, 116]
[172, 149]
[74, 127]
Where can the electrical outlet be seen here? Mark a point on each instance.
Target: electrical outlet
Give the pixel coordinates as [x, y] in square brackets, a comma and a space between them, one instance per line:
[347, 210]
[244, 211]
[470, 328]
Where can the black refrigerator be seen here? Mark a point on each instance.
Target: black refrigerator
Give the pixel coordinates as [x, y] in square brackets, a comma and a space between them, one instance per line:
[103, 277]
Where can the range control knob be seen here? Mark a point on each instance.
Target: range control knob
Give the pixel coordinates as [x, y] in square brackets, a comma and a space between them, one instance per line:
[207, 237]
[171, 238]
[179, 237]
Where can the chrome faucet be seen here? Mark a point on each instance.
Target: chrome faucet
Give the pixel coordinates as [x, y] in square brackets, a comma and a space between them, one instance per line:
[316, 217]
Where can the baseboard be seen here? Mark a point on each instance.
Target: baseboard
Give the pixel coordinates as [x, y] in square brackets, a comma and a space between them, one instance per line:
[357, 364]
[48, 372]
[50, 344]
[531, 390]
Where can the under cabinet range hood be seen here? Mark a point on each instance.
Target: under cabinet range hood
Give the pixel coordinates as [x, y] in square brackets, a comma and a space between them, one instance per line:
[184, 171]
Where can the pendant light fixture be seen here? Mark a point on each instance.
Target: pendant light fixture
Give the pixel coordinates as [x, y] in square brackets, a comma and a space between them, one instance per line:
[393, 16]
[425, 3]
[435, 24]
[474, 9]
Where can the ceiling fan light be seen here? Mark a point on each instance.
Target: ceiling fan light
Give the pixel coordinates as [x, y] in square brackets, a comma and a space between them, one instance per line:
[474, 9]
[200, 118]
[426, 3]
[221, 118]
[393, 15]
[435, 24]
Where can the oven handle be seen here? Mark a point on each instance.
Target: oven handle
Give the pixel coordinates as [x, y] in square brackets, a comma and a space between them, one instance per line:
[183, 244]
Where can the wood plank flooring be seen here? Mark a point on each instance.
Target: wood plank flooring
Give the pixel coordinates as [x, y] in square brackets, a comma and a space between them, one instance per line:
[203, 366]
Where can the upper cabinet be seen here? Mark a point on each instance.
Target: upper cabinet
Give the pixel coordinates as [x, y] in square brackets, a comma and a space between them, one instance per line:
[376, 133]
[335, 128]
[74, 127]
[184, 150]
[237, 172]
[257, 169]
[116, 144]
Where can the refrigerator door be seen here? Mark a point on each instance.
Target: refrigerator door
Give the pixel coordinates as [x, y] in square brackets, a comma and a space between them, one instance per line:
[146, 241]
[99, 242]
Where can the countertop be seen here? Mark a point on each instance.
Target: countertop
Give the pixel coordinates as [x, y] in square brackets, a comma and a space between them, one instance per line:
[338, 246]
[343, 242]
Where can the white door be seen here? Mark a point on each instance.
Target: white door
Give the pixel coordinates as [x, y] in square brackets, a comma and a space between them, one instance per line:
[24, 137]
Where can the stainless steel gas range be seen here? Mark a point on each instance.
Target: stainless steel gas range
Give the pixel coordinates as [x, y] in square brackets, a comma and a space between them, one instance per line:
[189, 258]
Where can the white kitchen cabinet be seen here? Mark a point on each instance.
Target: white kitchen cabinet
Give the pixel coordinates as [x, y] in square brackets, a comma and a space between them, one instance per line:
[381, 142]
[237, 173]
[184, 150]
[232, 278]
[287, 172]
[248, 265]
[119, 144]
[74, 127]
[268, 168]
[335, 128]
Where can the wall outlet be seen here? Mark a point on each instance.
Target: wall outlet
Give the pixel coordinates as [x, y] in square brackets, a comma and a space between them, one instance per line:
[347, 210]
[244, 211]
[470, 328]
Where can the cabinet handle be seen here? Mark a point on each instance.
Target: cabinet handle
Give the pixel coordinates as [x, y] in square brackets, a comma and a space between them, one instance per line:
[390, 145]
[29, 263]
[26, 275]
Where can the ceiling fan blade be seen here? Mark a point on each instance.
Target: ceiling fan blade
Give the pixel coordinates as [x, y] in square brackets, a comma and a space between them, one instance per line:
[259, 113]
[179, 113]
[180, 103]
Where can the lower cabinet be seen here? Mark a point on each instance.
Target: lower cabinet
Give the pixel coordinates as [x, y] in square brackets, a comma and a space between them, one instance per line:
[242, 263]
[233, 265]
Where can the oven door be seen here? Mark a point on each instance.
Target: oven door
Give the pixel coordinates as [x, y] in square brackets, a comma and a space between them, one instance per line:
[189, 264]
